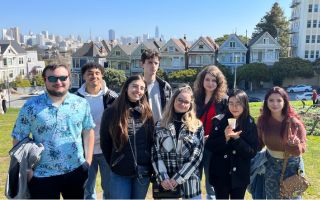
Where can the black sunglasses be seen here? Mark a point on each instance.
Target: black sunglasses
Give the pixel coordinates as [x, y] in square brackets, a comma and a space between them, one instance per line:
[53, 79]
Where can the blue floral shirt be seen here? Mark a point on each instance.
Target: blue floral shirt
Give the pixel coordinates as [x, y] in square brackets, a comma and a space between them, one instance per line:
[58, 129]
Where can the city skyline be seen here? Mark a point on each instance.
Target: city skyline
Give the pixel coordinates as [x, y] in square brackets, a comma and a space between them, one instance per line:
[127, 18]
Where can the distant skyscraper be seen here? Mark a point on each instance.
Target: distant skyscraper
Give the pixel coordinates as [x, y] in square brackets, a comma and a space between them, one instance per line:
[112, 34]
[46, 34]
[11, 34]
[156, 35]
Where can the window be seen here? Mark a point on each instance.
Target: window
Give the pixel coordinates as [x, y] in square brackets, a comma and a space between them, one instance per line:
[171, 49]
[265, 40]
[318, 38]
[306, 54]
[5, 61]
[20, 60]
[314, 23]
[308, 39]
[317, 54]
[117, 53]
[310, 8]
[312, 54]
[309, 24]
[313, 39]
[201, 46]
[22, 72]
[315, 9]
[232, 44]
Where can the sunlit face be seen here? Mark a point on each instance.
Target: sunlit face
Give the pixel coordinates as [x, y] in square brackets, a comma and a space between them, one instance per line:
[58, 88]
[235, 107]
[136, 90]
[93, 77]
[150, 66]
[275, 103]
[183, 101]
[209, 83]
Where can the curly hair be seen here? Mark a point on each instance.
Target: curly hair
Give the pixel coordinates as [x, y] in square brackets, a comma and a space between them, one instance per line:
[199, 91]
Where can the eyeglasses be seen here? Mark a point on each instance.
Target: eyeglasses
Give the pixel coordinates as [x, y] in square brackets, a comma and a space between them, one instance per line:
[182, 101]
[53, 79]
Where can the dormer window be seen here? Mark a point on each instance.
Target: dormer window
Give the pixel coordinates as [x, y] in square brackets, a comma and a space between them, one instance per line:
[232, 44]
[171, 49]
[200, 46]
[265, 40]
[117, 53]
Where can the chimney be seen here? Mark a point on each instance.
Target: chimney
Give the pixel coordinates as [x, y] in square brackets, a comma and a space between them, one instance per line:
[185, 37]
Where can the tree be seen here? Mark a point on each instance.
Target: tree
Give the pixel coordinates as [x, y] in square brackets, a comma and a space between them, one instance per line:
[162, 74]
[37, 80]
[114, 78]
[20, 82]
[277, 25]
[227, 73]
[291, 68]
[221, 40]
[253, 73]
[183, 76]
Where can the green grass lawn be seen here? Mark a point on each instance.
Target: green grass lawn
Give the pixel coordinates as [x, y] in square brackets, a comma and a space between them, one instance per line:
[311, 157]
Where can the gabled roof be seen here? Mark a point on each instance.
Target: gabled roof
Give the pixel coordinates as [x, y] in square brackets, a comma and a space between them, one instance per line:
[106, 45]
[236, 38]
[5, 43]
[129, 48]
[182, 43]
[260, 35]
[155, 45]
[90, 50]
[208, 41]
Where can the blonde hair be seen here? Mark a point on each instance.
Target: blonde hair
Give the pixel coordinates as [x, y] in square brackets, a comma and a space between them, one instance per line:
[189, 119]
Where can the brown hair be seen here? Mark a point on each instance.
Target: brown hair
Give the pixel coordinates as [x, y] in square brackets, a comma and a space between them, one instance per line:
[53, 67]
[199, 91]
[121, 112]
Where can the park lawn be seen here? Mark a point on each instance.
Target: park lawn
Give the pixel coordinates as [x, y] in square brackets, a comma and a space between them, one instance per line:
[311, 157]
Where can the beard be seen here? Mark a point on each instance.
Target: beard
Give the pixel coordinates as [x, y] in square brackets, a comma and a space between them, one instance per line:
[57, 94]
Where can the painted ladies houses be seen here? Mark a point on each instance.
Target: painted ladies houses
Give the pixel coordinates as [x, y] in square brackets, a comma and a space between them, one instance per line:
[264, 49]
[232, 52]
[174, 55]
[136, 54]
[120, 57]
[202, 52]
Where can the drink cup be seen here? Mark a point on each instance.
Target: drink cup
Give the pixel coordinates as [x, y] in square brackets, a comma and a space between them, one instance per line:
[232, 122]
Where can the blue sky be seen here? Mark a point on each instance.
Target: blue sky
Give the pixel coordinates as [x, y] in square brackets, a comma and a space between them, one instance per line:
[136, 17]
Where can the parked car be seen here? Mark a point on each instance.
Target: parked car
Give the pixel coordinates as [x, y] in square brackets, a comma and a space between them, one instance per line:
[37, 92]
[254, 99]
[306, 96]
[300, 88]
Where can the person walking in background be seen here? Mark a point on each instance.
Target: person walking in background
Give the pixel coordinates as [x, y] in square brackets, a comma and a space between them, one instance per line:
[233, 142]
[281, 130]
[1, 110]
[58, 119]
[126, 140]
[3, 97]
[159, 91]
[314, 97]
[95, 91]
[210, 88]
[178, 145]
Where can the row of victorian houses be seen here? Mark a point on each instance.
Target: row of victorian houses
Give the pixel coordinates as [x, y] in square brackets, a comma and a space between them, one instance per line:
[178, 54]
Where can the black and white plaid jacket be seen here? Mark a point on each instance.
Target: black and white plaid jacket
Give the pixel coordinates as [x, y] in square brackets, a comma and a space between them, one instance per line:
[178, 158]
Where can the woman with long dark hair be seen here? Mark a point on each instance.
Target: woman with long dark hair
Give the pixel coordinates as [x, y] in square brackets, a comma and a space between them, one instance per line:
[210, 88]
[178, 145]
[280, 130]
[126, 139]
[233, 142]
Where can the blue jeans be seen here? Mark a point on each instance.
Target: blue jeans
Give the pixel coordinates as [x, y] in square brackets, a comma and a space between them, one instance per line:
[98, 160]
[205, 165]
[123, 187]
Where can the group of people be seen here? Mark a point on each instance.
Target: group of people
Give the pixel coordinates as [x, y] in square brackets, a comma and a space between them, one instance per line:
[148, 133]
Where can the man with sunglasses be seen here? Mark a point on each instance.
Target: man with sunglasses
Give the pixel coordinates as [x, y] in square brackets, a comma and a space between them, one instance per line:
[57, 119]
[100, 97]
